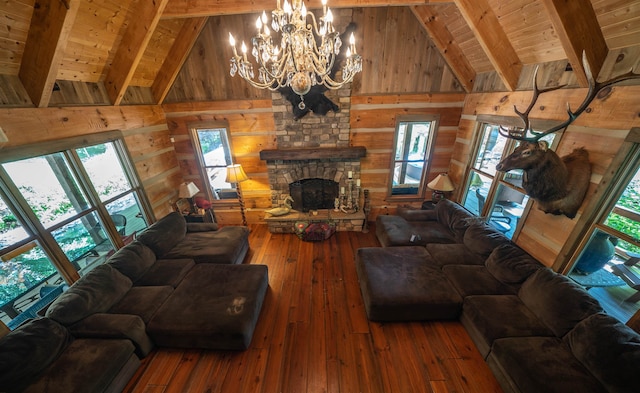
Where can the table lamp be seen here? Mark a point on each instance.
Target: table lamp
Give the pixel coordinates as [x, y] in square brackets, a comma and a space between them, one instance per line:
[235, 174]
[188, 190]
[440, 185]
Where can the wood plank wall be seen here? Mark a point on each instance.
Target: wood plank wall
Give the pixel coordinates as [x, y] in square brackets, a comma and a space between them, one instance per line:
[601, 130]
[252, 129]
[373, 121]
[145, 133]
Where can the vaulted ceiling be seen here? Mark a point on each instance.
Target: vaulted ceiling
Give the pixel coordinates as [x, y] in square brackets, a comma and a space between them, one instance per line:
[118, 52]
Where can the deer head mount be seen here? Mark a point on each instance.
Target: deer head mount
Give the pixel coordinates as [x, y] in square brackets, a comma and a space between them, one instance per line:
[559, 185]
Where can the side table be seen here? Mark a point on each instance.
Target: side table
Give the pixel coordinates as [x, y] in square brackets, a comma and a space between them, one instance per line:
[208, 216]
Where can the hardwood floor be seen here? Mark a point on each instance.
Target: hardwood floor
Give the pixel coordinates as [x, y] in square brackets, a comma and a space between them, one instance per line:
[313, 336]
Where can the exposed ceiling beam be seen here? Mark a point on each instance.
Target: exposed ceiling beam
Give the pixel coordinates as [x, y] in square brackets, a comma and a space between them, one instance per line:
[132, 47]
[178, 54]
[577, 27]
[48, 36]
[446, 44]
[193, 8]
[494, 41]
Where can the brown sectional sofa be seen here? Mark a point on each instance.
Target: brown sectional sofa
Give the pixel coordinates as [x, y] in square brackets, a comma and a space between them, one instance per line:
[178, 285]
[538, 330]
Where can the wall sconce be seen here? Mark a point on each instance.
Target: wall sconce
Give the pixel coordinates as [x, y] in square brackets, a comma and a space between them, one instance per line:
[440, 185]
[235, 174]
[188, 190]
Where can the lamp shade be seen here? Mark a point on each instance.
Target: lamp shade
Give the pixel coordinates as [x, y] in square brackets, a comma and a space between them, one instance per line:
[441, 183]
[235, 174]
[187, 190]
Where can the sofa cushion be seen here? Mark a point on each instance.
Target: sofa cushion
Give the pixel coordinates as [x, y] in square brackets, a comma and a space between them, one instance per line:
[453, 254]
[166, 272]
[539, 364]
[142, 301]
[396, 231]
[201, 226]
[454, 217]
[481, 239]
[559, 302]
[164, 234]
[609, 349]
[28, 350]
[490, 317]
[133, 260]
[403, 284]
[89, 365]
[94, 292]
[227, 245]
[510, 264]
[214, 307]
[475, 280]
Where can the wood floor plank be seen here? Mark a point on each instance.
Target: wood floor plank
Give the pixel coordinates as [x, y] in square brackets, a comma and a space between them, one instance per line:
[313, 335]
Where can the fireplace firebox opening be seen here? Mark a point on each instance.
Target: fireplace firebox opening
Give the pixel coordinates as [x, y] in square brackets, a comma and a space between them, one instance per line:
[313, 194]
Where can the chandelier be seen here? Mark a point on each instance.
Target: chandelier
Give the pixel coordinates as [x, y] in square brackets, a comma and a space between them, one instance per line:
[303, 58]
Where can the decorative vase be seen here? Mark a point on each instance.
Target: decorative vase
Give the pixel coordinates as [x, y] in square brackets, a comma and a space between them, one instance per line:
[598, 252]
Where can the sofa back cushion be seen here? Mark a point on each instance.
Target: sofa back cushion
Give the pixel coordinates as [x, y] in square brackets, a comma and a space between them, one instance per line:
[133, 260]
[453, 216]
[94, 292]
[510, 264]
[164, 234]
[482, 239]
[28, 350]
[609, 350]
[559, 302]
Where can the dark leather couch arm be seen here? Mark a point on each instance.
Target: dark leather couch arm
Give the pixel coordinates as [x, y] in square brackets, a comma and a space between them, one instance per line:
[201, 227]
[411, 214]
[103, 325]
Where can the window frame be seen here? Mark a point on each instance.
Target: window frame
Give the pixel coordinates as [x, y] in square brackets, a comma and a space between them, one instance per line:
[623, 168]
[434, 119]
[499, 178]
[202, 167]
[43, 237]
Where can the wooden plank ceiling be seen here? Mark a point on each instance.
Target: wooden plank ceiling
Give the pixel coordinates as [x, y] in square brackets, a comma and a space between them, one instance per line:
[116, 52]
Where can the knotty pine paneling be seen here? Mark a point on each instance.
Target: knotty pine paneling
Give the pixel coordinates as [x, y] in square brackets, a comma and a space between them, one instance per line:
[600, 130]
[392, 64]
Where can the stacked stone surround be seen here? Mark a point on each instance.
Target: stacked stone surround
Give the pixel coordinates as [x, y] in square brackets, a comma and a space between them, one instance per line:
[311, 131]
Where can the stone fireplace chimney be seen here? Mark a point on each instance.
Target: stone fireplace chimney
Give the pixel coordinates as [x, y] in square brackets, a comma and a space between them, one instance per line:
[311, 147]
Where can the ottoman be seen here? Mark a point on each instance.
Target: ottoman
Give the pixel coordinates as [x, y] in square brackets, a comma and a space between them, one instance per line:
[404, 284]
[214, 307]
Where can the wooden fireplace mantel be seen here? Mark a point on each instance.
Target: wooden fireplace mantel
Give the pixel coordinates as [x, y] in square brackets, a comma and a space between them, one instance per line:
[313, 153]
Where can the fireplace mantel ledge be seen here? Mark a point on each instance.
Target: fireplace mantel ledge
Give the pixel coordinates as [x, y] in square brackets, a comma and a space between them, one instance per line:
[315, 153]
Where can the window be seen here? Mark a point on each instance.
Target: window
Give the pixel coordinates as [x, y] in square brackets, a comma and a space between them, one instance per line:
[214, 154]
[608, 260]
[413, 147]
[84, 203]
[495, 195]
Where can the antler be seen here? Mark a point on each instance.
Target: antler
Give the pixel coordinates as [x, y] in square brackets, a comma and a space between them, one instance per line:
[594, 88]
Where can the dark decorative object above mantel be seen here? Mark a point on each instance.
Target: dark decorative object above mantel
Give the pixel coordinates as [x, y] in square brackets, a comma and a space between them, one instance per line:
[314, 100]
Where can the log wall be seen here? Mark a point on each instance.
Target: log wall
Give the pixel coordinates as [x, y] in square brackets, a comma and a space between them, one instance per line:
[601, 130]
[145, 133]
[251, 130]
[373, 121]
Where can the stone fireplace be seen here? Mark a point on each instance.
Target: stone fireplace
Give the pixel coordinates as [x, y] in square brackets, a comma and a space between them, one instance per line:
[313, 152]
